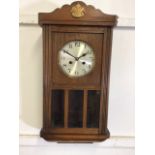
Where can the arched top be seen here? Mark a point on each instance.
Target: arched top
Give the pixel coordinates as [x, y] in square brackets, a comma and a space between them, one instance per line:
[78, 13]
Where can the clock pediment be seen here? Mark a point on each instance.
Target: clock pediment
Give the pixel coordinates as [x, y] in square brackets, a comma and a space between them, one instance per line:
[77, 13]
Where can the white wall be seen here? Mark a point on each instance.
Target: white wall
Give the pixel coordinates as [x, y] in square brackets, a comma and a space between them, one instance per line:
[121, 98]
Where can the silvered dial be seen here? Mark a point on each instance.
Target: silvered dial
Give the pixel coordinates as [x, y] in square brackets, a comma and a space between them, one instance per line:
[76, 58]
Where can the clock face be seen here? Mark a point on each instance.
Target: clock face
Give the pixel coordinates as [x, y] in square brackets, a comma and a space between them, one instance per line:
[76, 58]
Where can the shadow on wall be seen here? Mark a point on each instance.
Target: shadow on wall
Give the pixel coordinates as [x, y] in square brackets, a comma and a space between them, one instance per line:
[31, 82]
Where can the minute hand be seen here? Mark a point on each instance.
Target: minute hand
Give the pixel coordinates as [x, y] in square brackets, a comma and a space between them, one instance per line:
[70, 54]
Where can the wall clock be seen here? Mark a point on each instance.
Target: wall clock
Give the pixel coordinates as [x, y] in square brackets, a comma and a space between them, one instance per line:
[77, 42]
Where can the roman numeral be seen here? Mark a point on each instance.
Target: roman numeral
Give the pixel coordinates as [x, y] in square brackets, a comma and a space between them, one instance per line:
[77, 44]
[63, 58]
[70, 45]
[76, 73]
[89, 52]
[89, 66]
[84, 70]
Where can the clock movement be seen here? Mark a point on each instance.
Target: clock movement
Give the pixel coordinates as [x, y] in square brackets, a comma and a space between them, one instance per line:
[77, 42]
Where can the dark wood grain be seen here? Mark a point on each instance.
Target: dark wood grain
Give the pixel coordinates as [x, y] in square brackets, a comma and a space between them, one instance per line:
[92, 79]
[60, 27]
[93, 17]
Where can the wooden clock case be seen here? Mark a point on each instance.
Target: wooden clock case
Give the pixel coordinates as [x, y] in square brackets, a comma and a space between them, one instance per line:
[77, 21]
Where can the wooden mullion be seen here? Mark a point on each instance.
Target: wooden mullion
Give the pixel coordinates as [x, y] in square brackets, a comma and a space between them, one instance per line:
[85, 109]
[66, 109]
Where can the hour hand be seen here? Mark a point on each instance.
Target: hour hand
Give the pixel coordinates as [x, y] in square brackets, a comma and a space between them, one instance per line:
[84, 54]
[70, 54]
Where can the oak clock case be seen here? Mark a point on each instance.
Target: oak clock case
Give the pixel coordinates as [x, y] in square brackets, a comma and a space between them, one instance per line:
[76, 65]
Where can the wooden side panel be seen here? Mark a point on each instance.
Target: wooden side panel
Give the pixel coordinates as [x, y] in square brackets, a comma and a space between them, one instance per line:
[105, 80]
[108, 65]
[45, 76]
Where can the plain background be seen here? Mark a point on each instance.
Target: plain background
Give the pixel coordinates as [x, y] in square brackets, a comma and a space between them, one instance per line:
[144, 78]
[121, 97]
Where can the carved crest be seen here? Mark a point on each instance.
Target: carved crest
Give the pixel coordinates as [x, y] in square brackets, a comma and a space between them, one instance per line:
[77, 11]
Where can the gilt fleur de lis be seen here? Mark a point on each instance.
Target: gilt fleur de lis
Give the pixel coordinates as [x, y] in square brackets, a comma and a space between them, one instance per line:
[77, 11]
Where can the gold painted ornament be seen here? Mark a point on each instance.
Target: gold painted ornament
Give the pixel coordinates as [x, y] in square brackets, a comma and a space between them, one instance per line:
[78, 11]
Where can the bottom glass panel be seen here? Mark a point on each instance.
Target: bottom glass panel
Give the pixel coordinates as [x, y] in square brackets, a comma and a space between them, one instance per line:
[93, 109]
[75, 108]
[57, 108]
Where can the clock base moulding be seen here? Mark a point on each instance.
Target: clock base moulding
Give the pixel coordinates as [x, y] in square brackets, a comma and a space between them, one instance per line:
[74, 137]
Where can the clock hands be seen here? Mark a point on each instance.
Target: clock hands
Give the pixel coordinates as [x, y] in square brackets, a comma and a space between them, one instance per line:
[71, 55]
[84, 54]
[76, 58]
[76, 62]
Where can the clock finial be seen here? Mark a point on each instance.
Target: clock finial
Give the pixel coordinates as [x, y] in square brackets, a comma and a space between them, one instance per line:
[77, 11]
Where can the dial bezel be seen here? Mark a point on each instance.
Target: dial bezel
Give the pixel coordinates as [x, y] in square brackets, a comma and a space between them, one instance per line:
[72, 76]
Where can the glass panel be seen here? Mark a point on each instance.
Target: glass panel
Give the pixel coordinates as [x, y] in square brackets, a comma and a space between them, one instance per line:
[75, 108]
[57, 108]
[93, 109]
